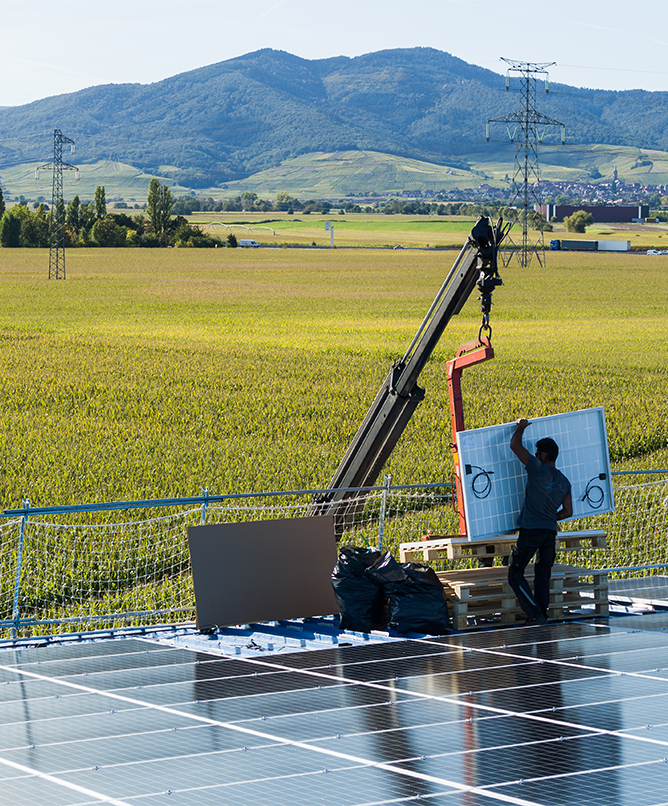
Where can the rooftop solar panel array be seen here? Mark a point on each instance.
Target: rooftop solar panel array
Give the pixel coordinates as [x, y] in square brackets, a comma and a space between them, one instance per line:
[562, 714]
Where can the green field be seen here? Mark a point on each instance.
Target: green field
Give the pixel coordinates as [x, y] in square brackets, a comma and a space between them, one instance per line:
[361, 229]
[351, 229]
[153, 373]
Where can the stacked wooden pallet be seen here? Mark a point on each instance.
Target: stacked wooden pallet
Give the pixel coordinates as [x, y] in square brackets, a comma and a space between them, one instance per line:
[443, 547]
[482, 597]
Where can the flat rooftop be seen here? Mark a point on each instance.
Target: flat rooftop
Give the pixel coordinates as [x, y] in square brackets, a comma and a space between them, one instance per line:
[573, 713]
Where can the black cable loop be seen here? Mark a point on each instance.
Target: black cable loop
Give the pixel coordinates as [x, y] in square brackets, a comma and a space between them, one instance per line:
[594, 494]
[486, 488]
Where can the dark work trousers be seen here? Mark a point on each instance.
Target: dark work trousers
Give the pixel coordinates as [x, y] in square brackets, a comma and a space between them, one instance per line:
[529, 542]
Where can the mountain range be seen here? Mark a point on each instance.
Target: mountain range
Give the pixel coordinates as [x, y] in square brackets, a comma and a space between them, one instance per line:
[229, 120]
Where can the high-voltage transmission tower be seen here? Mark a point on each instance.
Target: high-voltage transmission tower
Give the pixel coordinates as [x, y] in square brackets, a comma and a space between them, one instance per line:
[526, 127]
[57, 216]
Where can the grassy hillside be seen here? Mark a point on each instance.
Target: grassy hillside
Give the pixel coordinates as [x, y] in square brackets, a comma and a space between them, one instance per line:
[321, 175]
[339, 173]
[121, 181]
[325, 175]
[354, 172]
[576, 163]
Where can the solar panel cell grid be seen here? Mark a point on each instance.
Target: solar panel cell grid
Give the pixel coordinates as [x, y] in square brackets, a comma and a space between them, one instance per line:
[581, 648]
[34, 790]
[59, 706]
[617, 714]
[447, 740]
[118, 662]
[72, 650]
[524, 638]
[305, 701]
[457, 721]
[352, 719]
[444, 663]
[643, 785]
[353, 654]
[568, 694]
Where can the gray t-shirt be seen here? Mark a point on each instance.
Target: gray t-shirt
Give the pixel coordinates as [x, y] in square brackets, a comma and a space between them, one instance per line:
[545, 492]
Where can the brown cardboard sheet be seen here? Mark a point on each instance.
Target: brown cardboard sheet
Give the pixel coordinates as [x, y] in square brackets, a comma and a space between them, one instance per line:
[263, 570]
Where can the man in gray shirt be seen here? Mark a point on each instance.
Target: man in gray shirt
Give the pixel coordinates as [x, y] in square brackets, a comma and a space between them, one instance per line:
[547, 500]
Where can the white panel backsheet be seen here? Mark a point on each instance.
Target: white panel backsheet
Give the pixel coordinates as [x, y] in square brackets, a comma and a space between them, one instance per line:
[494, 484]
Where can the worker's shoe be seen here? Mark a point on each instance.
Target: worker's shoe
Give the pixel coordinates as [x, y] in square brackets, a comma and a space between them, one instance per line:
[532, 621]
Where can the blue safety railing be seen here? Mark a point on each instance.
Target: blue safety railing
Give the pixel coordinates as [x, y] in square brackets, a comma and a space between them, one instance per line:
[20, 526]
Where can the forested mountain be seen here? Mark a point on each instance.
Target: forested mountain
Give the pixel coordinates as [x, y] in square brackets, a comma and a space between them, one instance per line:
[234, 118]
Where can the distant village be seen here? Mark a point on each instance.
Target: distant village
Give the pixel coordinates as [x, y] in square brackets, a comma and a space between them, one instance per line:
[615, 192]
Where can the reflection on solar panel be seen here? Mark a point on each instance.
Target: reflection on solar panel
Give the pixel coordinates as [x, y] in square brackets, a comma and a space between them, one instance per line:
[562, 714]
[640, 590]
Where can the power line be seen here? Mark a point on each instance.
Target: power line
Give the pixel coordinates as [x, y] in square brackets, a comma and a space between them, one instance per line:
[529, 129]
[617, 70]
[57, 213]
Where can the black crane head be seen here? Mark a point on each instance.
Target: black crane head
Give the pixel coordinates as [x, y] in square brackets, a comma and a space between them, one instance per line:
[488, 239]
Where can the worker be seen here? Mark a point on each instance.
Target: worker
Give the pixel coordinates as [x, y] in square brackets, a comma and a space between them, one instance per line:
[547, 500]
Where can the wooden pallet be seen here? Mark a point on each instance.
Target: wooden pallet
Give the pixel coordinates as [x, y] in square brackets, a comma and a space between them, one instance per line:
[482, 597]
[443, 547]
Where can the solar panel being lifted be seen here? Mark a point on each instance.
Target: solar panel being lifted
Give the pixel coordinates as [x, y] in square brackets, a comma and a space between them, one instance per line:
[494, 480]
[562, 714]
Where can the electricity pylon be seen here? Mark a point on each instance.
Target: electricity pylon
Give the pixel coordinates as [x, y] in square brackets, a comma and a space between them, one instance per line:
[57, 216]
[529, 129]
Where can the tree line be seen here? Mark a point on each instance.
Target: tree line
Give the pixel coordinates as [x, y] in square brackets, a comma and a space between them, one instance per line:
[164, 224]
[251, 203]
[90, 224]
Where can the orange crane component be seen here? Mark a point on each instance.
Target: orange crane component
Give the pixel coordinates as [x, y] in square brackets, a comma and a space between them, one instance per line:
[468, 355]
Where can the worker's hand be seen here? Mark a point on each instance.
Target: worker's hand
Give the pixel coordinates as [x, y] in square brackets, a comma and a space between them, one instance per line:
[523, 424]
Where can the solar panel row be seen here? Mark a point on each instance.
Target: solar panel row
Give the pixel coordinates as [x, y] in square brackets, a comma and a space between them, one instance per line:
[562, 714]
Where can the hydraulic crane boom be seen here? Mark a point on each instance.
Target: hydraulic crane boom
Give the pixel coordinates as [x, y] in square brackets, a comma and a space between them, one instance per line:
[400, 395]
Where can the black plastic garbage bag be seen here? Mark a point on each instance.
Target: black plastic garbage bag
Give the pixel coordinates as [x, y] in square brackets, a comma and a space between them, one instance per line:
[386, 570]
[417, 600]
[361, 601]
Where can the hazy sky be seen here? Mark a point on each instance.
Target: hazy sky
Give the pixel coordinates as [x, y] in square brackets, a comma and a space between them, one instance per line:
[50, 48]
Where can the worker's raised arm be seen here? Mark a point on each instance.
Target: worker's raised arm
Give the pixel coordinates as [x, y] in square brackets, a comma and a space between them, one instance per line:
[516, 441]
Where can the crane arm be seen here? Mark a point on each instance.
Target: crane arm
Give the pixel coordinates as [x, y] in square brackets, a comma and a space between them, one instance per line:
[400, 395]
